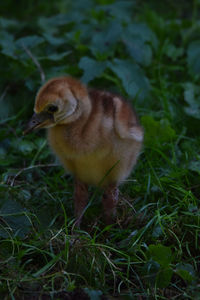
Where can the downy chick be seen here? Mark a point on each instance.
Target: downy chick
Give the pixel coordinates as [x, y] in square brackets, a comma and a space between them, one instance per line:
[95, 134]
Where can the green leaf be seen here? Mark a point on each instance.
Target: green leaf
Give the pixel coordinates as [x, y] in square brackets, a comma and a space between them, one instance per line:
[161, 254]
[193, 57]
[93, 294]
[157, 132]
[55, 56]
[6, 23]
[55, 41]
[7, 44]
[185, 271]
[132, 76]
[103, 41]
[195, 166]
[139, 50]
[15, 222]
[192, 97]
[6, 109]
[173, 52]
[25, 194]
[121, 10]
[25, 146]
[50, 24]
[137, 38]
[30, 41]
[143, 32]
[163, 277]
[157, 232]
[91, 68]
[2, 152]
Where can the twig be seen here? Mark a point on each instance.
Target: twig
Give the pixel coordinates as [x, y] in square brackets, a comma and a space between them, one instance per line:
[36, 62]
[29, 168]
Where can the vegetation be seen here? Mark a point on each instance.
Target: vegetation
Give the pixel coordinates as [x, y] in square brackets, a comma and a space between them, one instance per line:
[150, 53]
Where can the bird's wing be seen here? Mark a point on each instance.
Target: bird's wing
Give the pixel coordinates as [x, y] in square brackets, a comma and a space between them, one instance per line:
[126, 123]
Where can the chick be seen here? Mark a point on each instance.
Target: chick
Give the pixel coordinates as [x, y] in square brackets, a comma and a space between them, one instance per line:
[95, 134]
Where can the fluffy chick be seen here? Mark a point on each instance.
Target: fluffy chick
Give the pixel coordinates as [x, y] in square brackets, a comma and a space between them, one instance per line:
[95, 134]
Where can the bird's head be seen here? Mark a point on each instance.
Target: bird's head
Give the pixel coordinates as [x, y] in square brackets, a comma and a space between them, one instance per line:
[60, 101]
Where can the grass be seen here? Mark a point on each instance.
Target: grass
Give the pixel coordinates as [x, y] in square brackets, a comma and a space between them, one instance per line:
[152, 252]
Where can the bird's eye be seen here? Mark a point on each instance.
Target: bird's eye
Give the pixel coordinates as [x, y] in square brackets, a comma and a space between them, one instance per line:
[52, 108]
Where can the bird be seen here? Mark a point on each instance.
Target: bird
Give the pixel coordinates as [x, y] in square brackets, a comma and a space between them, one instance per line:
[95, 134]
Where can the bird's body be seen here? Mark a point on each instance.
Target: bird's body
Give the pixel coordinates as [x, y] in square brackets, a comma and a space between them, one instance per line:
[95, 134]
[90, 147]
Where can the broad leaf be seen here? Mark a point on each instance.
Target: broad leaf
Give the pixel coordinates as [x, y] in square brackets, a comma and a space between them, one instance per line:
[139, 50]
[173, 52]
[50, 24]
[143, 32]
[91, 68]
[161, 254]
[103, 41]
[163, 277]
[133, 78]
[6, 23]
[51, 39]
[55, 56]
[192, 97]
[193, 57]
[7, 44]
[195, 166]
[30, 41]
[157, 132]
[186, 271]
[121, 10]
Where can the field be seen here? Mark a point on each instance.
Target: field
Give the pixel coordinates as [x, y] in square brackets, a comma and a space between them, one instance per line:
[148, 52]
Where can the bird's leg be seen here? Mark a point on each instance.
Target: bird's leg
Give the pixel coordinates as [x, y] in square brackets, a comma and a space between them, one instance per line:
[109, 200]
[80, 200]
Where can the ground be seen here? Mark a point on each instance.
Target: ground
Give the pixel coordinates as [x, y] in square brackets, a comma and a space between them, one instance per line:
[148, 53]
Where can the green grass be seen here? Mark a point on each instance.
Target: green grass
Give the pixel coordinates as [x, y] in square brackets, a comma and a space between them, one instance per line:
[149, 53]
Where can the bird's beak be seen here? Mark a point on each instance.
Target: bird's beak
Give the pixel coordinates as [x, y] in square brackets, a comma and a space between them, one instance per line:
[38, 120]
